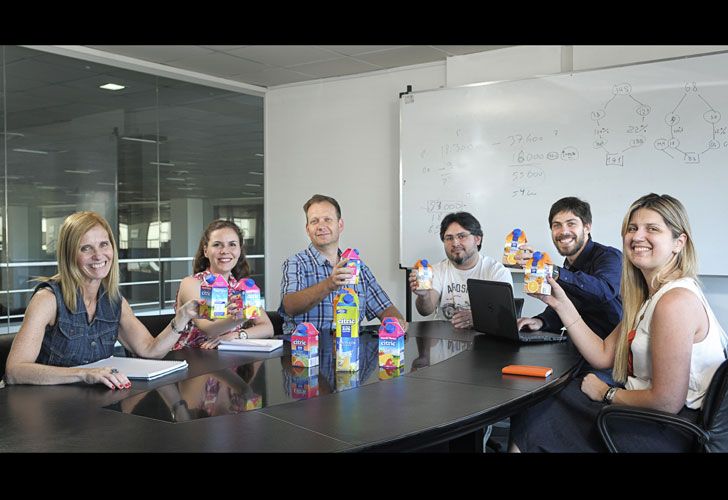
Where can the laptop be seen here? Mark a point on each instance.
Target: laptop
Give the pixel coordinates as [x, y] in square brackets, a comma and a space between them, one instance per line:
[494, 313]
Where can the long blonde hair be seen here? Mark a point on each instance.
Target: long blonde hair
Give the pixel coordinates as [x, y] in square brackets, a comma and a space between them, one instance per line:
[69, 276]
[634, 287]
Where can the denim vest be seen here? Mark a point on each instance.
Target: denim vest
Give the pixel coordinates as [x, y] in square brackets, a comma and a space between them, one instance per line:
[72, 340]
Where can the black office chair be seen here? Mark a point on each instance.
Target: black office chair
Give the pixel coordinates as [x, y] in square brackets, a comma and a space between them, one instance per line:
[156, 323]
[6, 341]
[709, 434]
[277, 321]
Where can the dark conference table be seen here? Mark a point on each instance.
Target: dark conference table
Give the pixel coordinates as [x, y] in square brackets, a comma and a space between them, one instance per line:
[256, 402]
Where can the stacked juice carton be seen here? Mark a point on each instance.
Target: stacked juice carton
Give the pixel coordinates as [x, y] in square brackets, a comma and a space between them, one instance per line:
[346, 318]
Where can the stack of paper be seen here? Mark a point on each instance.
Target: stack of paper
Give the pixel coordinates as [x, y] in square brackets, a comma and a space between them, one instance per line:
[263, 345]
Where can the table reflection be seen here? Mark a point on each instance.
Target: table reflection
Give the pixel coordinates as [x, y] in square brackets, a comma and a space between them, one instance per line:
[272, 381]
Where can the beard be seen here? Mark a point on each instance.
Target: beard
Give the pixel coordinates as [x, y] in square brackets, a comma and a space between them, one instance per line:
[463, 256]
[579, 242]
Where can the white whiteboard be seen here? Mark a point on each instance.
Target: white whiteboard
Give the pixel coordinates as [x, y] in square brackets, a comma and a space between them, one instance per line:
[506, 151]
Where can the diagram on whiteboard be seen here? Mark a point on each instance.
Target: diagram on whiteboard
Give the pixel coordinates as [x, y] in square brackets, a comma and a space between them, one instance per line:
[693, 127]
[617, 138]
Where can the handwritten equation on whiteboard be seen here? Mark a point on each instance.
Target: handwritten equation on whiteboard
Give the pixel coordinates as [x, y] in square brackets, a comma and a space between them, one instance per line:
[438, 209]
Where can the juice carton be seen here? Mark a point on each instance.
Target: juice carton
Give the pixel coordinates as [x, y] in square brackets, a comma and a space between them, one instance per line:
[537, 269]
[346, 317]
[513, 239]
[388, 372]
[236, 295]
[424, 274]
[354, 263]
[304, 345]
[391, 344]
[214, 291]
[251, 299]
[254, 403]
[346, 380]
[304, 382]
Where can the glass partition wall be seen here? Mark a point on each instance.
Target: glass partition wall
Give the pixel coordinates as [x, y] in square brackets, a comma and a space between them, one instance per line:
[158, 158]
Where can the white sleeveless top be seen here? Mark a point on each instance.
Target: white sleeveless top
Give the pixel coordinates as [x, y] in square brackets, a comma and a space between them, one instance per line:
[706, 356]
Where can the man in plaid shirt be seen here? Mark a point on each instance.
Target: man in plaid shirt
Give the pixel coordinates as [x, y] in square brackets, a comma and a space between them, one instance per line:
[314, 276]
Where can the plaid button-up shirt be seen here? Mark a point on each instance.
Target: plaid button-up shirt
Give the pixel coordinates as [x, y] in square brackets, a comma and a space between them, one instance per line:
[307, 268]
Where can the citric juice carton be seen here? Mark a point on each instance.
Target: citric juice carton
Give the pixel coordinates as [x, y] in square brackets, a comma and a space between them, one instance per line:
[424, 274]
[304, 345]
[346, 380]
[354, 263]
[304, 382]
[252, 303]
[388, 372]
[214, 291]
[346, 317]
[537, 269]
[254, 403]
[513, 240]
[391, 344]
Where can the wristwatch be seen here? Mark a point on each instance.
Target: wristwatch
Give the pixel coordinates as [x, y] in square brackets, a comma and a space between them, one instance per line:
[609, 395]
[177, 330]
[242, 334]
[555, 273]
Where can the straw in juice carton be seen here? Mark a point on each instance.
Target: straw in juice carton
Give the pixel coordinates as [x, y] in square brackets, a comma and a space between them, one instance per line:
[513, 240]
[214, 291]
[251, 299]
[391, 344]
[537, 269]
[353, 263]
[346, 343]
[424, 274]
[304, 382]
[304, 345]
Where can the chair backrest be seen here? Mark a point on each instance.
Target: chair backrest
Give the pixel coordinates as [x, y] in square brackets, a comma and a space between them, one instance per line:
[519, 306]
[156, 323]
[715, 411]
[277, 321]
[6, 341]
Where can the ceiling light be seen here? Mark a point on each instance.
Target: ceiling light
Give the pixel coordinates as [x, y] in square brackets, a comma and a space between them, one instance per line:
[175, 178]
[86, 172]
[138, 139]
[161, 163]
[255, 173]
[106, 184]
[259, 154]
[33, 151]
[111, 86]
[254, 185]
[249, 193]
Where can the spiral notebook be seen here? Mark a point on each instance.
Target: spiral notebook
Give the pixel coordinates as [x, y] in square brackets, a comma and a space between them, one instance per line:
[139, 368]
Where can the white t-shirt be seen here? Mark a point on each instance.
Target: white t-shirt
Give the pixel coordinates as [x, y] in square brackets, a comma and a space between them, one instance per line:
[706, 357]
[451, 282]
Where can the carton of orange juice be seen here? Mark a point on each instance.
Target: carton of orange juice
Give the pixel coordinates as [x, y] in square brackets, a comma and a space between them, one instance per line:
[513, 240]
[424, 274]
[537, 269]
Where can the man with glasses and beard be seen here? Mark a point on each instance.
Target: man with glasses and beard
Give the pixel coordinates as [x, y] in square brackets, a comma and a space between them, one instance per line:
[462, 236]
[590, 274]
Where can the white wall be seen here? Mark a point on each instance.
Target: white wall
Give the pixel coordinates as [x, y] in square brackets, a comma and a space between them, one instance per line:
[340, 137]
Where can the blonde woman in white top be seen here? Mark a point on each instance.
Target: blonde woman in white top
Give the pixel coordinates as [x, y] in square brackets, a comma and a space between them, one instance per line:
[663, 353]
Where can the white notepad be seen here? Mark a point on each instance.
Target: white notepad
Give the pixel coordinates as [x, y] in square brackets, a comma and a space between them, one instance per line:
[261, 345]
[139, 368]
